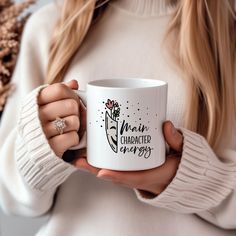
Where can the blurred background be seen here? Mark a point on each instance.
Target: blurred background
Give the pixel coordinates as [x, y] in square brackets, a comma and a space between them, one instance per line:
[20, 226]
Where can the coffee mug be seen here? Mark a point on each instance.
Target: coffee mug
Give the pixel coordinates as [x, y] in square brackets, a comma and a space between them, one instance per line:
[124, 123]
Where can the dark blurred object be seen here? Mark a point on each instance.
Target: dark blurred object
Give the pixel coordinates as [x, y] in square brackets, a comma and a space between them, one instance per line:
[72, 155]
[12, 22]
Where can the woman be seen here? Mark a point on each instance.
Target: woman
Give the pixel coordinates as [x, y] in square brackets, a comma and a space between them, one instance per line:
[124, 38]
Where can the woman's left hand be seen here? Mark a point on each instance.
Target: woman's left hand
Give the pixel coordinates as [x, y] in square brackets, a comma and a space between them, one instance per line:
[154, 180]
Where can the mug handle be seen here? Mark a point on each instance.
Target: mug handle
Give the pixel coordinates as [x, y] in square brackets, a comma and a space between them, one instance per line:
[83, 96]
[83, 102]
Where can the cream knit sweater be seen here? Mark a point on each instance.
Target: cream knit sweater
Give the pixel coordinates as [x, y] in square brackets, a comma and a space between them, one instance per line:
[127, 41]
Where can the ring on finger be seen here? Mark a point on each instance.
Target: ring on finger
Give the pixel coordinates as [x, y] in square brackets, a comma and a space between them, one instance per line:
[60, 124]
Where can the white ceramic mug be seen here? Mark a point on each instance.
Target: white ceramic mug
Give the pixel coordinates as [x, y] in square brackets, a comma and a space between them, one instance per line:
[124, 123]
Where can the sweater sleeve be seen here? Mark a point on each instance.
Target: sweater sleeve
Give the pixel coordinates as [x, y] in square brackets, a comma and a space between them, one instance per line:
[30, 172]
[204, 184]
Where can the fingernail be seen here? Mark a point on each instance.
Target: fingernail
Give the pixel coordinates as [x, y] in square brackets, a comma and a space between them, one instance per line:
[173, 129]
[104, 177]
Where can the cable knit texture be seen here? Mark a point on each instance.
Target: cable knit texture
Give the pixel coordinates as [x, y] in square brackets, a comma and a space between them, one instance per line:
[148, 8]
[202, 180]
[127, 41]
[39, 165]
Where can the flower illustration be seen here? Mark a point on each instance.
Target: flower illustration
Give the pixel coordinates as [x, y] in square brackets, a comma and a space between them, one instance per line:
[113, 106]
[116, 104]
[116, 113]
[109, 104]
[111, 123]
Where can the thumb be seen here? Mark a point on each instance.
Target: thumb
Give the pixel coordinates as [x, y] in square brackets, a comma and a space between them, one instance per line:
[72, 84]
[172, 136]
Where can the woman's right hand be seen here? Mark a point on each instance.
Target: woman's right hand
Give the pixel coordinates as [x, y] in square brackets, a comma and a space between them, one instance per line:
[59, 100]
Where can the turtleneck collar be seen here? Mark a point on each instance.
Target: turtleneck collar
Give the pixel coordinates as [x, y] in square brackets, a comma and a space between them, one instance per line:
[143, 8]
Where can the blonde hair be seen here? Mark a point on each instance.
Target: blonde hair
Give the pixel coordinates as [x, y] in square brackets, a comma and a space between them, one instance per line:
[70, 31]
[204, 51]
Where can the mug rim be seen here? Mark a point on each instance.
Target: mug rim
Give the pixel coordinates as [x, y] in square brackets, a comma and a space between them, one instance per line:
[128, 83]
